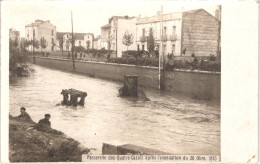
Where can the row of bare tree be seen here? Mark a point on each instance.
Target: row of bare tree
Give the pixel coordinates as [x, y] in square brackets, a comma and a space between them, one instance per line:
[43, 43]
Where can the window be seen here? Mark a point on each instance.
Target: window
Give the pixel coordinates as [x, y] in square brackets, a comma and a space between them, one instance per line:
[164, 30]
[51, 32]
[173, 30]
[138, 47]
[173, 48]
[143, 34]
[67, 35]
[33, 32]
[164, 49]
[143, 47]
[79, 43]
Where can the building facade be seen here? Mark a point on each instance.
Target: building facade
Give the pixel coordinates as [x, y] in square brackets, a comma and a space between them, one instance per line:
[97, 43]
[41, 29]
[181, 33]
[112, 34]
[169, 32]
[81, 40]
[200, 33]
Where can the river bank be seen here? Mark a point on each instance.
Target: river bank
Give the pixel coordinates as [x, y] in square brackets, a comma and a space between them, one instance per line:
[202, 85]
[28, 145]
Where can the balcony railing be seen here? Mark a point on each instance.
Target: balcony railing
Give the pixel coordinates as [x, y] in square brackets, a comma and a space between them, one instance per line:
[142, 39]
[164, 38]
[173, 37]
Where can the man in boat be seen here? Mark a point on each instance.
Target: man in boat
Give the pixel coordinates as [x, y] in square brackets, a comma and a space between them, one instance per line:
[24, 115]
[44, 124]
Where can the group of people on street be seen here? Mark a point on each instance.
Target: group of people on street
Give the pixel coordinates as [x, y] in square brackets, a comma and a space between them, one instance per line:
[43, 124]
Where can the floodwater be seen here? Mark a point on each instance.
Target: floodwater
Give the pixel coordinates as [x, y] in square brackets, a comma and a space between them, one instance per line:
[170, 123]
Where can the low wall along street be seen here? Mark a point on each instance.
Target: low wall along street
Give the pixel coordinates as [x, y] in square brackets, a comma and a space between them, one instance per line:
[197, 84]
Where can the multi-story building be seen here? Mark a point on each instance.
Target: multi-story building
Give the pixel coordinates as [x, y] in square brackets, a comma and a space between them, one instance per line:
[97, 43]
[89, 41]
[41, 29]
[85, 40]
[112, 33]
[181, 33]
[14, 36]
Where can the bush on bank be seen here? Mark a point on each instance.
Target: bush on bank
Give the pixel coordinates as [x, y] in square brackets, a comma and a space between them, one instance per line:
[95, 51]
[170, 65]
[136, 61]
[18, 66]
[204, 65]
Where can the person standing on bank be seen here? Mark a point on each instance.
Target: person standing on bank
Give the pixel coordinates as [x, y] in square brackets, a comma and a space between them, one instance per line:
[44, 124]
[24, 115]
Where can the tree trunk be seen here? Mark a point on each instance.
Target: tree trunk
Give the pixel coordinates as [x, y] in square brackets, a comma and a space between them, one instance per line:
[127, 50]
[62, 51]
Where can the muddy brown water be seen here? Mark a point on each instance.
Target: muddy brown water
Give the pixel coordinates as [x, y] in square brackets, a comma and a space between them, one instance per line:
[169, 122]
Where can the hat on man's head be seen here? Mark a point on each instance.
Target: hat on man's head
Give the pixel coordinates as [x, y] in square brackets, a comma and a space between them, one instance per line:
[47, 115]
[23, 108]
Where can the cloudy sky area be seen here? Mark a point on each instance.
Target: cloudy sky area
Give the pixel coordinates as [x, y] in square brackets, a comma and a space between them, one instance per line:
[88, 16]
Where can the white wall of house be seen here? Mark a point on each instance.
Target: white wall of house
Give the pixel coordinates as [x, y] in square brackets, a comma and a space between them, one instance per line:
[66, 43]
[125, 25]
[171, 28]
[79, 42]
[114, 33]
[46, 30]
[105, 33]
[88, 38]
[97, 43]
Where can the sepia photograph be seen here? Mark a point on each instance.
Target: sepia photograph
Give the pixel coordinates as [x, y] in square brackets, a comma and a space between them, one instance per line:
[136, 79]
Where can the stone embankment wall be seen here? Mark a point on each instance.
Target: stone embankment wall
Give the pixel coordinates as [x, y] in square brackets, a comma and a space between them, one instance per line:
[201, 85]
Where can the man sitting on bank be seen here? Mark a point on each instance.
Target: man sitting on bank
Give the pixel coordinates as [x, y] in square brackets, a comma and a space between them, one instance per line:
[44, 124]
[24, 115]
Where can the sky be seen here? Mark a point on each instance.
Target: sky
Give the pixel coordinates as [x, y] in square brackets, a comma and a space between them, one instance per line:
[88, 16]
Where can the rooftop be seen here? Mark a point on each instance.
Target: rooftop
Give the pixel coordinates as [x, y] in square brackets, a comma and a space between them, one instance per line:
[37, 23]
[169, 16]
[115, 17]
[77, 36]
[106, 26]
[14, 32]
[97, 38]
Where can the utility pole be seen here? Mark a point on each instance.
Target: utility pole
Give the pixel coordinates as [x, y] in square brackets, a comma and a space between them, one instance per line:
[72, 42]
[33, 47]
[161, 52]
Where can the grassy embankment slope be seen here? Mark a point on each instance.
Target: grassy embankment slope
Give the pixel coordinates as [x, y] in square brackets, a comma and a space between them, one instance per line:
[29, 145]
